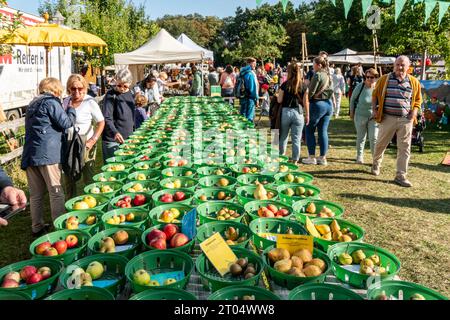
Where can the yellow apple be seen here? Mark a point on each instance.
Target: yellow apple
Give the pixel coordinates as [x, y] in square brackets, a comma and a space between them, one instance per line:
[90, 200]
[80, 205]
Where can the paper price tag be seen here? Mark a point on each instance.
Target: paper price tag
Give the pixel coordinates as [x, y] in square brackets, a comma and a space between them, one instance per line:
[218, 253]
[294, 242]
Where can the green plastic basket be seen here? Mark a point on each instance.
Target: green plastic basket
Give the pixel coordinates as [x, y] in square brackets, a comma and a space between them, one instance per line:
[245, 194]
[121, 159]
[238, 169]
[71, 254]
[207, 211]
[102, 202]
[273, 226]
[213, 181]
[300, 209]
[289, 281]
[155, 213]
[324, 244]
[185, 182]
[274, 168]
[37, 290]
[213, 281]
[149, 174]
[140, 221]
[85, 293]
[188, 247]
[179, 172]
[208, 229]
[164, 294]
[114, 185]
[323, 291]
[292, 199]
[358, 280]
[252, 208]
[147, 165]
[213, 171]
[113, 278]
[148, 186]
[189, 194]
[109, 167]
[212, 195]
[157, 261]
[129, 250]
[302, 177]
[119, 176]
[237, 292]
[16, 295]
[250, 179]
[401, 290]
[147, 204]
[82, 215]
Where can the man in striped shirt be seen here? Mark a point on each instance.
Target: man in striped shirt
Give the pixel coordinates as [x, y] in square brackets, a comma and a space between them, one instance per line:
[395, 103]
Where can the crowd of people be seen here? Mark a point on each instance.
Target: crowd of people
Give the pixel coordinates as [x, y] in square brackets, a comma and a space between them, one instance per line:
[380, 107]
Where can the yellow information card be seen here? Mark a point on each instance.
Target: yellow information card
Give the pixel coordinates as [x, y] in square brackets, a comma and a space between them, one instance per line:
[219, 253]
[294, 242]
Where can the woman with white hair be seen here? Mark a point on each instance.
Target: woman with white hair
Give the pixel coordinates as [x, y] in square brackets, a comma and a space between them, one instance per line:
[339, 90]
[119, 112]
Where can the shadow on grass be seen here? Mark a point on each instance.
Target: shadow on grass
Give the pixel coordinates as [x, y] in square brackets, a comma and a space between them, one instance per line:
[325, 172]
[354, 178]
[428, 205]
[437, 167]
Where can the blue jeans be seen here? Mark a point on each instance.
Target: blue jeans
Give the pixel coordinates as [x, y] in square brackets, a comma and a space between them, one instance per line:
[292, 120]
[320, 112]
[108, 149]
[248, 108]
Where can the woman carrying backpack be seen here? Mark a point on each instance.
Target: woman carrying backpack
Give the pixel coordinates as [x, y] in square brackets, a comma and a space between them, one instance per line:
[228, 81]
[88, 112]
[293, 97]
[45, 122]
[361, 113]
[320, 110]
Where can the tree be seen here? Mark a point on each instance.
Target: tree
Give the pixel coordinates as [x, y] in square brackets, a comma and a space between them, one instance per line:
[261, 40]
[8, 27]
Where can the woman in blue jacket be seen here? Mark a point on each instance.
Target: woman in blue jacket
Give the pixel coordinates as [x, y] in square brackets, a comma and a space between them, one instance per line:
[45, 123]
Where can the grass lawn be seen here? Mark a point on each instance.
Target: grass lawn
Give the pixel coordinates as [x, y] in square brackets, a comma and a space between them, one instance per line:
[413, 223]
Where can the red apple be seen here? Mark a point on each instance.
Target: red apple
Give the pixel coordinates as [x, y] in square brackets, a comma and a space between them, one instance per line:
[178, 240]
[12, 276]
[10, 283]
[60, 246]
[71, 241]
[283, 212]
[50, 252]
[27, 271]
[179, 196]
[272, 208]
[40, 248]
[155, 234]
[170, 230]
[127, 199]
[158, 243]
[139, 200]
[167, 197]
[45, 272]
[245, 169]
[35, 278]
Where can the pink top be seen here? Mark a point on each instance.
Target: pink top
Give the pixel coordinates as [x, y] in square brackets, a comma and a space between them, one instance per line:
[230, 83]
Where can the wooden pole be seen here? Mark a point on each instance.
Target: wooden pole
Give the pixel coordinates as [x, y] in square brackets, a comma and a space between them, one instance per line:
[47, 52]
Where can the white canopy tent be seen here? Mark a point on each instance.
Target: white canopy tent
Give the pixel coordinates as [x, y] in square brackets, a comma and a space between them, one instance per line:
[163, 48]
[184, 39]
[349, 56]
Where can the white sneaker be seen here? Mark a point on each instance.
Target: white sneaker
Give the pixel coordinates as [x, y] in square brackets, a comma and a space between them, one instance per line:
[322, 161]
[309, 160]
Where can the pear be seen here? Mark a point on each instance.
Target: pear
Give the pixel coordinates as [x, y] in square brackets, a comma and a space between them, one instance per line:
[345, 238]
[336, 236]
[366, 270]
[345, 259]
[289, 178]
[334, 226]
[376, 259]
[311, 208]
[358, 256]
[260, 192]
[290, 192]
[367, 262]
[107, 245]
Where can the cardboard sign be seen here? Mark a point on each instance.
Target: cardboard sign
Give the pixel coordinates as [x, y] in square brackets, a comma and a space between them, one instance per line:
[294, 242]
[446, 161]
[188, 224]
[219, 253]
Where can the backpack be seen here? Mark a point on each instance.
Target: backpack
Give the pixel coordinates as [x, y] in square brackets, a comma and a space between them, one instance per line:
[228, 82]
[240, 90]
[73, 155]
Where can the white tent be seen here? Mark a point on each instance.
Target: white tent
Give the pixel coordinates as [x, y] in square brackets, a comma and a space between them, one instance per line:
[349, 56]
[163, 48]
[184, 39]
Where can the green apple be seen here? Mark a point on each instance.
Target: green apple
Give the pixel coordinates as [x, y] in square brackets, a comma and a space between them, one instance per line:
[289, 178]
[95, 190]
[153, 283]
[345, 259]
[95, 269]
[169, 281]
[141, 277]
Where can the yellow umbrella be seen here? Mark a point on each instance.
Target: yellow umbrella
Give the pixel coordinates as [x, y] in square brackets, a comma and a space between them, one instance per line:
[52, 35]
